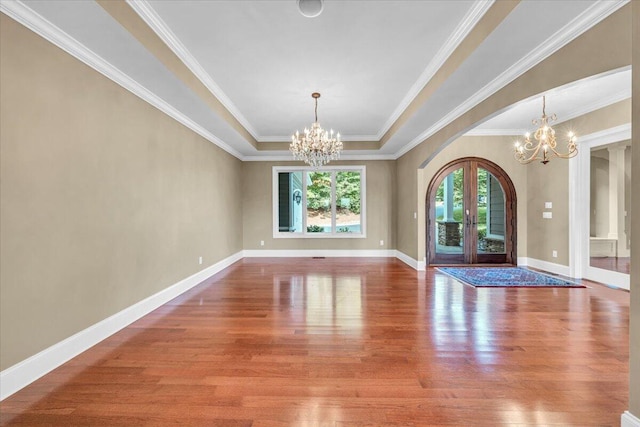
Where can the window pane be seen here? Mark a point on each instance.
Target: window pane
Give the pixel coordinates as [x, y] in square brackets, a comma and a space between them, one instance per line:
[290, 202]
[348, 187]
[319, 202]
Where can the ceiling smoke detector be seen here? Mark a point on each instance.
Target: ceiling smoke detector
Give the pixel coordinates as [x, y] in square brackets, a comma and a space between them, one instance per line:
[310, 8]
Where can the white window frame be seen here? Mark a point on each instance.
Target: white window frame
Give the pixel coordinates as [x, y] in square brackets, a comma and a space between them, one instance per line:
[312, 235]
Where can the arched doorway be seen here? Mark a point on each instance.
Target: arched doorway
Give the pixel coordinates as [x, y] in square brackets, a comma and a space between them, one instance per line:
[471, 205]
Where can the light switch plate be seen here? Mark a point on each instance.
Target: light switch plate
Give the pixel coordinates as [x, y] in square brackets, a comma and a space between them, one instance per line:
[548, 205]
[547, 215]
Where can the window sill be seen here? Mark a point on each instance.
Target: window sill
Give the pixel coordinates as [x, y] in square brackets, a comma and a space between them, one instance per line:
[319, 236]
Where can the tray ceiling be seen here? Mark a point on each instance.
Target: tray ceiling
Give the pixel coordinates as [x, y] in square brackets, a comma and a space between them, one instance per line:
[241, 73]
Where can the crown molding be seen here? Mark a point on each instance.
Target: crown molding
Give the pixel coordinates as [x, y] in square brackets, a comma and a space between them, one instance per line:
[41, 26]
[577, 112]
[596, 105]
[590, 17]
[496, 132]
[469, 21]
[44, 28]
[286, 139]
[153, 20]
[345, 138]
[286, 157]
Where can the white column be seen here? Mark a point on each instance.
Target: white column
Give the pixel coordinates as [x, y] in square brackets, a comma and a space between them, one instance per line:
[620, 179]
[448, 198]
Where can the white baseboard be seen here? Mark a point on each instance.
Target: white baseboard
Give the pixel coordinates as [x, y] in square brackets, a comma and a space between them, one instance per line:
[335, 253]
[551, 267]
[329, 253]
[416, 265]
[24, 373]
[608, 277]
[629, 420]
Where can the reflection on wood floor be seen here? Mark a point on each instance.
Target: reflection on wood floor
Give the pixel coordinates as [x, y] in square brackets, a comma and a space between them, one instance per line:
[619, 264]
[348, 342]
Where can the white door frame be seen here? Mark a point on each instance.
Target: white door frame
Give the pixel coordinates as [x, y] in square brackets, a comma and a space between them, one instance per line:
[579, 208]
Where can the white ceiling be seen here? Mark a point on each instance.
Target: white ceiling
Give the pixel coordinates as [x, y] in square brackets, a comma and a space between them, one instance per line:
[262, 59]
[566, 102]
[267, 58]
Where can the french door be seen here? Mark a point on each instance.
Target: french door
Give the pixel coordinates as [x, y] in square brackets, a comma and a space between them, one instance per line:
[471, 204]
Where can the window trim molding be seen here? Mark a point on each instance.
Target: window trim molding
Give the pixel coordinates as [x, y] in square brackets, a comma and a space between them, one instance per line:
[308, 235]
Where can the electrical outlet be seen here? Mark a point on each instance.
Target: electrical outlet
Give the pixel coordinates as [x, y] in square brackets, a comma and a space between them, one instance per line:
[200, 260]
[261, 242]
[381, 242]
[554, 254]
[547, 215]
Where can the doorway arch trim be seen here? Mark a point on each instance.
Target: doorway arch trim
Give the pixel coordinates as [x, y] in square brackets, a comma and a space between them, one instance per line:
[510, 204]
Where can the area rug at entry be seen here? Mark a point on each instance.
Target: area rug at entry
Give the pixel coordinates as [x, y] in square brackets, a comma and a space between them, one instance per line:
[505, 277]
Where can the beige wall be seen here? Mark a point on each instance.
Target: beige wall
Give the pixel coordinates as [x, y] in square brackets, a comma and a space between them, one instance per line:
[497, 149]
[535, 184]
[590, 54]
[550, 183]
[257, 209]
[634, 309]
[104, 199]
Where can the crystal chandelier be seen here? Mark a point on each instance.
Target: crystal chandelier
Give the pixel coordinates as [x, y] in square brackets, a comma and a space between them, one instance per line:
[543, 143]
[315, 146]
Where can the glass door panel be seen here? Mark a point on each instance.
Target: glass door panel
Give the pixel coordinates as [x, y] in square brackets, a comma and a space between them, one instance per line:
[449, 230]
[471, 214]
[490, 215]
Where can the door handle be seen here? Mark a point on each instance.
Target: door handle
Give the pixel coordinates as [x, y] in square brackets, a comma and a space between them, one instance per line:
[474, 221]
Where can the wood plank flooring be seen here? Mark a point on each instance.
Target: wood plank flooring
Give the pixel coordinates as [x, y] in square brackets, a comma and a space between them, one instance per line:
[348, 342]
[619, 264]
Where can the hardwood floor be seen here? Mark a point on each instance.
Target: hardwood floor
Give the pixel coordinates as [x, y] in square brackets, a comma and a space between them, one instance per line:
[348, 342]
[619, 264]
